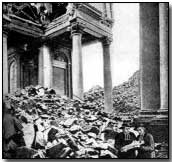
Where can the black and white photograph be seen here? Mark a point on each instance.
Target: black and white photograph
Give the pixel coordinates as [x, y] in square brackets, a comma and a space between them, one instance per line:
[85, 80]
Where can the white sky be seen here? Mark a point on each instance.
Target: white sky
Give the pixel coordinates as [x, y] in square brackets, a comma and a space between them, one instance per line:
[124, 49]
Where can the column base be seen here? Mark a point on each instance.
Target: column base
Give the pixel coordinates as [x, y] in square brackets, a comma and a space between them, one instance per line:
[147, 115]
[163, 112]
[148, 112]
[153, 116]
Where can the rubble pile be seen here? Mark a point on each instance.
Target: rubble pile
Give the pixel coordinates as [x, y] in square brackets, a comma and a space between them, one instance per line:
[126, 97]
[58, 127]
[95, 97]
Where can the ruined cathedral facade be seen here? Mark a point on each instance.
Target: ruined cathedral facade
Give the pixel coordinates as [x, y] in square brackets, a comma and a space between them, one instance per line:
[42, 45]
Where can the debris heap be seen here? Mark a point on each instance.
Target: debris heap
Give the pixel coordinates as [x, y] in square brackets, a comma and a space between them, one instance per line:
[126, 97]
[58, 127]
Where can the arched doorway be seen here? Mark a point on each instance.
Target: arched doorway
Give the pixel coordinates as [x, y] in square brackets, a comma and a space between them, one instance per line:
[28, 68]
[59, 80]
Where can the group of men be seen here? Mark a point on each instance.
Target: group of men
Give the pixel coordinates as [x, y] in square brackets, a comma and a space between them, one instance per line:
[131, 146]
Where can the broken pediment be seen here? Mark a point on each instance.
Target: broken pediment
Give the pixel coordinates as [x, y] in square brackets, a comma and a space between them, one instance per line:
[40, 13]
[59, 20]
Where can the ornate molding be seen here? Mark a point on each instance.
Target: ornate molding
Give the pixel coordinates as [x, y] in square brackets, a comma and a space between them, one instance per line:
[5, 32]
[65, 53]
[59, 21]
[5, 22]
[94, 13]
[107, 22]
[71, 10]
[43, 40]
[59, 64]
[90, 10]
[76, 28]
[106, 41]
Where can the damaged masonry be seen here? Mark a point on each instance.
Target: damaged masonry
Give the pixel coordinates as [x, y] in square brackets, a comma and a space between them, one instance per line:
[58, 127]
[54, 126]
[45, 112]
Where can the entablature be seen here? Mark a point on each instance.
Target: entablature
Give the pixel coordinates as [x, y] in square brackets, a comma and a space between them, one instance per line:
[94, 21]
[22, 26]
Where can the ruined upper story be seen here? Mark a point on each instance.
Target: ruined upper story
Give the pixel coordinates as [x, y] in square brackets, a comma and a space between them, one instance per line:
[53, 19]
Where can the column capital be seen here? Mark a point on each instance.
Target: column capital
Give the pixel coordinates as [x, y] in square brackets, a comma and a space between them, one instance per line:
[5, 33]
[106, 41]
[5, 21]
[5, 30]
[43, 40]
[76, 28]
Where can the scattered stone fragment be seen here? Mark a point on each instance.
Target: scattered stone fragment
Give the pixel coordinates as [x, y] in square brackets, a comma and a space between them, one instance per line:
[58, 127]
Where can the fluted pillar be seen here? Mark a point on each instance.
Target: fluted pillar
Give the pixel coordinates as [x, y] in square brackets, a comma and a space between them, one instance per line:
[163, 23]
[149, 58]
[107, 75]
[77, 72]
[150, 69]
[5, 64]
[69, 80]
[45, 66]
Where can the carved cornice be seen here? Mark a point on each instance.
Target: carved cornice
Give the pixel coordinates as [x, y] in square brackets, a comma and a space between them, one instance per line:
[107, 22]
[6, 21]
[59, 21]
[90, 10]
[80, 18]
[86, 10]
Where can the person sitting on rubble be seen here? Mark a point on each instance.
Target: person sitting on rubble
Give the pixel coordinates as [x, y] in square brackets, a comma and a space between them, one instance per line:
[12, 131]
[147, 148]
[123, 139]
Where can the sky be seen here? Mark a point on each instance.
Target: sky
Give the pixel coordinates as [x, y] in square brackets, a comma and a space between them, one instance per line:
[124, 49]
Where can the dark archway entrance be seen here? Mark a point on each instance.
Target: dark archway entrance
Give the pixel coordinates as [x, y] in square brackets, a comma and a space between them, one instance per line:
[60, 78]
[28, 68]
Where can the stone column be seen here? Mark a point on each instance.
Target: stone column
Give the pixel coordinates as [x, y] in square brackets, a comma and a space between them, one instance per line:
[69, 80]
[107, 75]
[5, 64]
[163, 23]
[77, 75]
[45, 66]
[149, 58]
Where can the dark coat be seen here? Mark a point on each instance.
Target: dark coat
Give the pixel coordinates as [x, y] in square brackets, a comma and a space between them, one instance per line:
[8, 126]
[12, 130]
[147, 150]
[121, 141]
